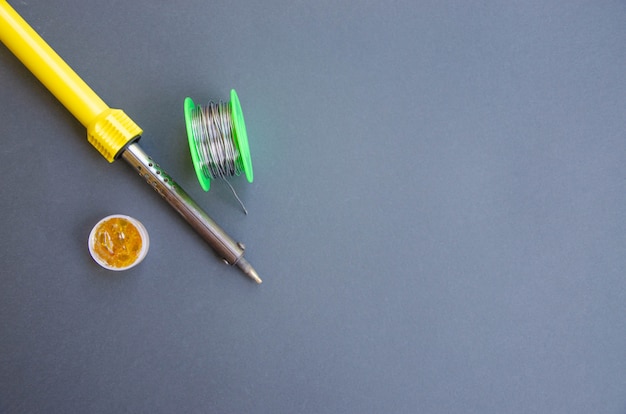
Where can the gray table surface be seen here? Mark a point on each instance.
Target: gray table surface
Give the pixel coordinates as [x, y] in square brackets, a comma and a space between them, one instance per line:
[438, 211]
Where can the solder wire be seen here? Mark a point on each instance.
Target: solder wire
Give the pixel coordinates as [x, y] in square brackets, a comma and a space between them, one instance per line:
[214, 138]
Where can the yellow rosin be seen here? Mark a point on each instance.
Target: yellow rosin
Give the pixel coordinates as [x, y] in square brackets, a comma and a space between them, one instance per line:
[108, 130]
[117, 242]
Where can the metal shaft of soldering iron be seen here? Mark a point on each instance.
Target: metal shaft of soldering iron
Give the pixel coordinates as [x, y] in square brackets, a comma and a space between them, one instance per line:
[229, 250]
[110, 130]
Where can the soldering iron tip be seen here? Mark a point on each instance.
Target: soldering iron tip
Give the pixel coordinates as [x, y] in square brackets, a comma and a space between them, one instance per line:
[249, 270]
[254, 276]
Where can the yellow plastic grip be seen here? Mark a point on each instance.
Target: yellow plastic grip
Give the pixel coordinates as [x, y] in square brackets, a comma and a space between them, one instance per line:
[108, 130]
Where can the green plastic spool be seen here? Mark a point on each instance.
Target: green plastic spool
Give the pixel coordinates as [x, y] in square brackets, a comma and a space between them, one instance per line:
[240, 137]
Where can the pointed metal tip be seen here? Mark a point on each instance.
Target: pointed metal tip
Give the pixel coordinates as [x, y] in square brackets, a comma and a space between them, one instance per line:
[249, 270]
[254, 276]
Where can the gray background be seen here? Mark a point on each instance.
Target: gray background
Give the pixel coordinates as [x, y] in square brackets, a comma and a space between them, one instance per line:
[438, 211]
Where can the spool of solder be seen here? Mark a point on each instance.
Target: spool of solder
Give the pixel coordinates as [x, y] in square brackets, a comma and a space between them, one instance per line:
[218, 140]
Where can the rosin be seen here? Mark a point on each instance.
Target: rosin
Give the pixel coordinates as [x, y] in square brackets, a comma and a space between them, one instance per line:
[118, 242]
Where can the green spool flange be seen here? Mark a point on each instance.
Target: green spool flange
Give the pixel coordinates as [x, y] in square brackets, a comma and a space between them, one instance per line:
[240, 137]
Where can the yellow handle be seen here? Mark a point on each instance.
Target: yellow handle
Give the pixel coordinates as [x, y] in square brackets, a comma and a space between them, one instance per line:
[109, 130]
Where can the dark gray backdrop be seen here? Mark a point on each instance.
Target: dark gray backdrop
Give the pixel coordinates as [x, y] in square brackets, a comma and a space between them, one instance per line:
[438, 211]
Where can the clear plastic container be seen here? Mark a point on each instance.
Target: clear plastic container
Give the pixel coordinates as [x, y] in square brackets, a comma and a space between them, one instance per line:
[118, 242]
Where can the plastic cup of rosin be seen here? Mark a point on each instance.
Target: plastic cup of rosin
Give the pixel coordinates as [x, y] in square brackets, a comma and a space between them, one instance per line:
[118, 242]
